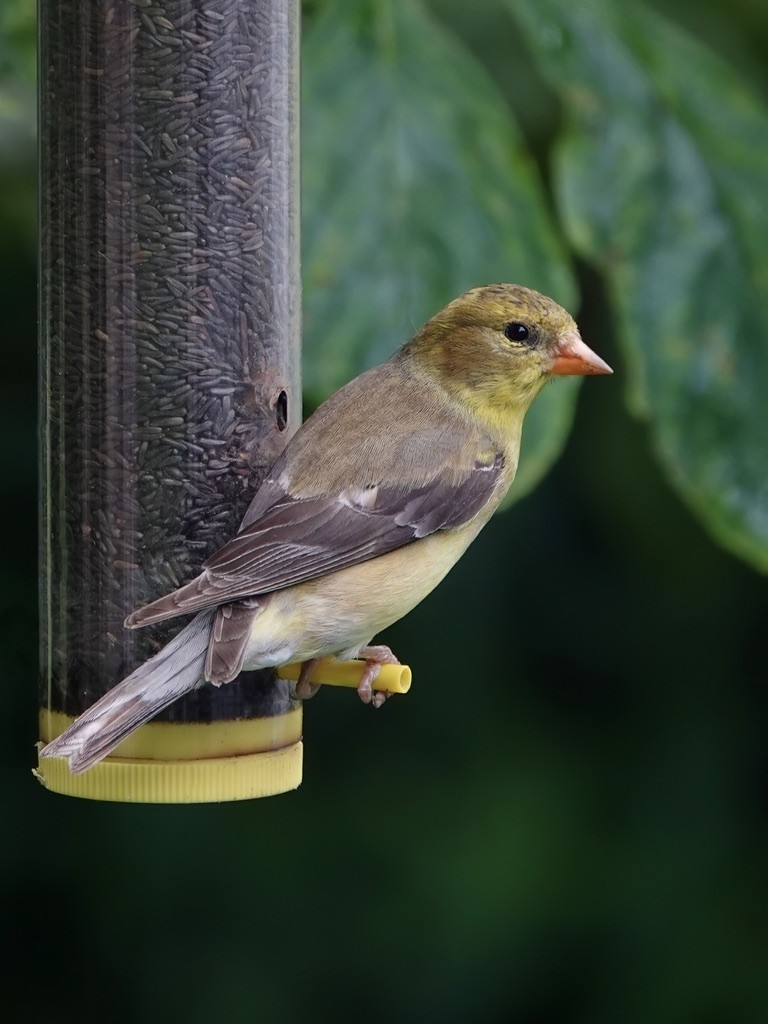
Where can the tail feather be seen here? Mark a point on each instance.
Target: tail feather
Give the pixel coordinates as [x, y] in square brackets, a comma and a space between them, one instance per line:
[229, 640]
[171, 673]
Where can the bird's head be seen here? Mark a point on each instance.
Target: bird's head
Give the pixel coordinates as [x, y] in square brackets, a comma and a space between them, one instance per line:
[495, 347]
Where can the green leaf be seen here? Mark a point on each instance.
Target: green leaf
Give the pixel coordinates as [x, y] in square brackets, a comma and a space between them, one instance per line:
[661, 177]
[17, 39]
[17, 68]
[416, 187]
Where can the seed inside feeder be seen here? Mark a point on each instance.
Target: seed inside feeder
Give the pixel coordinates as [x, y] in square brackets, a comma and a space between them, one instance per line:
[170, 311]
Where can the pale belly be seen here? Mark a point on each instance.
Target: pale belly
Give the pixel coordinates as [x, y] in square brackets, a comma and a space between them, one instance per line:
[342, 612]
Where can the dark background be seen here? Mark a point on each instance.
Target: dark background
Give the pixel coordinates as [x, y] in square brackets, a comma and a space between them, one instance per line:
[565, 820]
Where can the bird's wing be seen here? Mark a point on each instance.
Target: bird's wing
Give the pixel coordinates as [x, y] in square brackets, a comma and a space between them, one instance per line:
[296, 539]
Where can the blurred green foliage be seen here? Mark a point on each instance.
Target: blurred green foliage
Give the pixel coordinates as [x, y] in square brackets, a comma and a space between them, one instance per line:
[566, 819]
[661, 177]
[17, 42]
[427, 191]
[17, 121]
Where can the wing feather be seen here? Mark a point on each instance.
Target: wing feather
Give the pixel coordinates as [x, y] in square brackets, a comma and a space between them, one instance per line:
[296, 539]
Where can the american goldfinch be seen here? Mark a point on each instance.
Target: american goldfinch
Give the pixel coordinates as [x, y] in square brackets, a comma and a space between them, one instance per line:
[371, 503]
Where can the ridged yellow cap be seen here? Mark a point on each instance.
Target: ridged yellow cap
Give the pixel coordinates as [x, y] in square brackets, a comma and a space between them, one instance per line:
[184, 763]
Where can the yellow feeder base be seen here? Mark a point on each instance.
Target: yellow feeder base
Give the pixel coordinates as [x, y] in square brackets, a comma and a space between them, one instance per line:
[185, 763]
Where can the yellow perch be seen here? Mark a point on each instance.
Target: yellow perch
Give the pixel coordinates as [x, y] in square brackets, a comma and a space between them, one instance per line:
[330, 672]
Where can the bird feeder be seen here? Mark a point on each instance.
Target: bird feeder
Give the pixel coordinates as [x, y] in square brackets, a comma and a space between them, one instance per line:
[169, 332]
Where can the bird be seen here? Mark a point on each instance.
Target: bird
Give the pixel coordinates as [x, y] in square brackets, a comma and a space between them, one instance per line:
[372, 501]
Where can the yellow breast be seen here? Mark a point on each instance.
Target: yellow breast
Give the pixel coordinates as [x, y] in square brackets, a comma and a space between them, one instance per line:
[343, 611]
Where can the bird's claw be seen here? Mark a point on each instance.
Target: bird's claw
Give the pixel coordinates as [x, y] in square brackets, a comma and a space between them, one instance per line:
[375, 657]
[304, 688]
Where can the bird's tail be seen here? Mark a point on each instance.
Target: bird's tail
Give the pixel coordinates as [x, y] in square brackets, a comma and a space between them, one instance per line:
[171, 673]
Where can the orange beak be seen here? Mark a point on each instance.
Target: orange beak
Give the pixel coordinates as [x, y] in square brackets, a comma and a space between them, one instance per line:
[572, 356]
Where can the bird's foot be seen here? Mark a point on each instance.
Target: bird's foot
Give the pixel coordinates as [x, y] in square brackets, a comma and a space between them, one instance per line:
[305, 689]
[375, 657]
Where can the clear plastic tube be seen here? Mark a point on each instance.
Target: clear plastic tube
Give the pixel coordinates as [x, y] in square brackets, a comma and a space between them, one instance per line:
[169, 315]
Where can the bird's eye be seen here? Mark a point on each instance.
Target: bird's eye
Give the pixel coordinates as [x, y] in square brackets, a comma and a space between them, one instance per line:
[517, 332]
